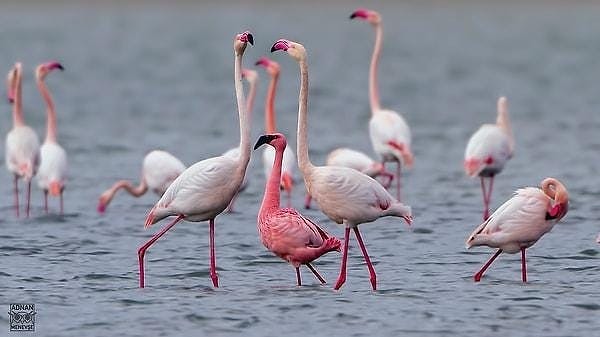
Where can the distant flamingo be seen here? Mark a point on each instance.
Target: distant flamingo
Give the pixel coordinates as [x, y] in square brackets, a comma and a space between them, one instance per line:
[521, 221]
[159, 170]
[488, 151]
[390, 135]
[52, 173]
[22, 144]
[289, 160]
[206, 188]
[284, 231]
[343, 194]
[355, 160]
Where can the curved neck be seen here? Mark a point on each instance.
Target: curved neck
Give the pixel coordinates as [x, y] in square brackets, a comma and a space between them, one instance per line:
[373, 86]
[51, 124]
[244, 127]
[272, 189]
[18, 105]
[270, 124]
[302, 145]
[136, 191]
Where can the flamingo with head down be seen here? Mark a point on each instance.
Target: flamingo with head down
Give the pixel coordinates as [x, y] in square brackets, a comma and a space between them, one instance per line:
[345, 195]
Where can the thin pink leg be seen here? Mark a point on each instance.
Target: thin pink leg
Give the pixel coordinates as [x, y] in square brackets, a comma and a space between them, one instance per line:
[398, 176]
[145, 246]
[523, 265]
[17, 195]
[213, 261]
[479, 274]
[487, 197]
[387, 175]
[61, 204]
[373, 276]
[342, 278]
[46, 201]
[28, 198]
[298, 279]
[307, 201]
[316, 273]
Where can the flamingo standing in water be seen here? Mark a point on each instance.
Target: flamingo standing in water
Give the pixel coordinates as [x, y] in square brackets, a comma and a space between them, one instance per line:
[488, 151]
[389, 132]
[289, 160]
[206, 188]
[345, 195]
[22, 155]
[52, 173]
[284, 231]
[159, 170]
[521, 221]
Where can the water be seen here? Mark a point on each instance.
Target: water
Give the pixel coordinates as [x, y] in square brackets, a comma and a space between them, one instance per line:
[139, 78]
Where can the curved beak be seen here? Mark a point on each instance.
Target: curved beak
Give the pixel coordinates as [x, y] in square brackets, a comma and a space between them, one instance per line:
[408, 219]
[250, 38]
[280, 45]
[264, 139]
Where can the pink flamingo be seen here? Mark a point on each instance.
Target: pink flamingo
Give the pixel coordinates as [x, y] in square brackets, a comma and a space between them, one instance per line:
[521, 221]
[357, 160]
[345, 195]
[389, 132]
[22, 144]
[205, 189]
[289, 160]
[284, 231]
[159, 170]
[488, 151]
[52, 173]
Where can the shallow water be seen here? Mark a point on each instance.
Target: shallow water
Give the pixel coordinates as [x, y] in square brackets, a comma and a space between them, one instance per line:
[139, 78]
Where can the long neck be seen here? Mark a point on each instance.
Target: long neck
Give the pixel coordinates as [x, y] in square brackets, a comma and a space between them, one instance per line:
[270, 124]
[373, 86]
[244, 127]
[18, 105]
[302, 146]
[136, 191]
[51, 127]
[272, 193]
[503, 121]
[250, 101]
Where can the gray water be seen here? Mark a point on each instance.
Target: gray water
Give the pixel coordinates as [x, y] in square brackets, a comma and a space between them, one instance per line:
[144, 77]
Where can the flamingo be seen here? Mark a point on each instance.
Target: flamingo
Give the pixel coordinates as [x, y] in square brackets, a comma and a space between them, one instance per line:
[206, 188]
[488, 150]
[289, 160]
[159, 170]
[521, 221]
[357, 160]
[345, 195]
[22, 144]
[52, 172]
[284, 231]
[389, 132]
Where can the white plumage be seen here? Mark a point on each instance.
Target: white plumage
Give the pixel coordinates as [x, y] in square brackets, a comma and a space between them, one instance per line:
[160, 169]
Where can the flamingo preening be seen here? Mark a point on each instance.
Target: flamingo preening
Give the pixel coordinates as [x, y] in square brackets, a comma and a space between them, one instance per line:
[521, 221]
[345, 195]
[22, 155]
[488, 150]
[389, 132]
[52, 173]
[205, 189]
[284, 231]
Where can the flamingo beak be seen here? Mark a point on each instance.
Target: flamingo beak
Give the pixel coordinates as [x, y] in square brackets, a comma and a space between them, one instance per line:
[360, 13]
[280, 45]
[264, 139]
[408, 219]
[263, 61]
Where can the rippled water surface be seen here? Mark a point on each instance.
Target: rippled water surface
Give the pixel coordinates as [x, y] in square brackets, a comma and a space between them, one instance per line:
[139, 78]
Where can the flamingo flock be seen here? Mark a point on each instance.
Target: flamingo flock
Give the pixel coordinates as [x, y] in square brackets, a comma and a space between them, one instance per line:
[345, 189]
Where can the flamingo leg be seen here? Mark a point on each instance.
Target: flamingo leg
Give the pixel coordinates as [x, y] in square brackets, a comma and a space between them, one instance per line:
[389, 176]
[61, 203]
[373, 276]
[28, 198]
[298, 278]
[523, 265]
[487, 196]
[479, 274]
[17, 195]
[289, 198]
[342, 277]
[307, 200]
[398, 176]
[145, 246]
[316, 273]
[46, 201]
[213, 261]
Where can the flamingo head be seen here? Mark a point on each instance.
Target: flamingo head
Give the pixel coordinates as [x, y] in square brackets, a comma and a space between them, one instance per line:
[103, 202]
[45, 68]
[250, 75]
[276, 140]
[558, 192]
[294, 49]
[11, 81]
[241, 41]
[368, 15]
[270, 66]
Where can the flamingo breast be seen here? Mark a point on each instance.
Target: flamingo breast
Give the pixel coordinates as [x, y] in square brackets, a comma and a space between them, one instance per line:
[388, 126]
[53, 167]
[22, 151]
[160, 169]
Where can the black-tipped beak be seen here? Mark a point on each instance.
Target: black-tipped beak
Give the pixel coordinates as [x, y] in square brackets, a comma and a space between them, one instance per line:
[264, 139]
[59, 66]
[273, 48]
[352, 16]
[251, 39]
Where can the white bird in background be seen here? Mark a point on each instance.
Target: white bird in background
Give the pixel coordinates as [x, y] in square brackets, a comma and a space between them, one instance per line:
[22, 155]
[206, 188]
[52, 173]
[488, 150]
[289, 160]
[159, 170]
[390, 134]
[343, 194]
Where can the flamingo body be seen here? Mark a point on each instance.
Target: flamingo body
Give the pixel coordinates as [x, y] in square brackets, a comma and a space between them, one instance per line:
[22, 152]
[52, 173]
[487, 151]
[160, 169]
[288, 166]
[391, 137]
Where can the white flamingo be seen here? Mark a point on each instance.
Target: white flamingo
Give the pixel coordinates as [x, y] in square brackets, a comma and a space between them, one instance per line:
[206, 188]
[390, 134]
[22, 155]
[345, 195]
[488, 150]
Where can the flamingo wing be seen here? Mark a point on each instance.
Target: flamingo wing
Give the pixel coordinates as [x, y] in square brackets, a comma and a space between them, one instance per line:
[285, 229]
[388, 131]
[53, 166]
[160, 169]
